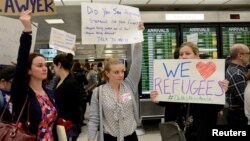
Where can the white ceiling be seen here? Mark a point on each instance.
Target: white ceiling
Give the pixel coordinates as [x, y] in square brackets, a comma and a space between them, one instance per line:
[69, 11]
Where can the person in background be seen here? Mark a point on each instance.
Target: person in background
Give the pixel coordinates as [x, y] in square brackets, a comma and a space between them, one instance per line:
[78, 74]
[101, 74]
[247, 98]
[204, 56]
[31, 70]
[204, 116]
[118, 116]
[92, 81]
[176, 52]
[236, 75]
[68, 94]
[6, 77]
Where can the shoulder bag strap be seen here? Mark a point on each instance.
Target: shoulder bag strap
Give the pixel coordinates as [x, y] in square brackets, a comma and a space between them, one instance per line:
[20, 114]
[187, 116]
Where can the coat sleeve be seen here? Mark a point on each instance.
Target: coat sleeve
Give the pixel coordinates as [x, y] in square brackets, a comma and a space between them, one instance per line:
[94, 117]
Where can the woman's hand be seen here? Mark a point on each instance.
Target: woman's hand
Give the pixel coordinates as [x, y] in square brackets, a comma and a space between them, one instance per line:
[141, 26]
[224, 84]
[153, 95]
[25, 18]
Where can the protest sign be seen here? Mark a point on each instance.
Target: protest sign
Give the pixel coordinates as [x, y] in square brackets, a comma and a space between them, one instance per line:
[61, 40]
[10, 32]
[110, 24]
[38, 7]
[189, 81]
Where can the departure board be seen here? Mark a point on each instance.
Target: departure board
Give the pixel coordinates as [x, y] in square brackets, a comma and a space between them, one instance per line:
[159, 43]
[232, 35]
[204, 37]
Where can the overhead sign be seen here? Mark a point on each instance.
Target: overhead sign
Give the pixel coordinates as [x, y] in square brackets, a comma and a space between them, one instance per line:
[110, 24]
[189, 81]
[10, 32]
[38, 7]
[62, 41]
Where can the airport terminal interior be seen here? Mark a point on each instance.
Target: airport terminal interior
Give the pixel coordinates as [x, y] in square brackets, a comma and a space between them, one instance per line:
[216, 25]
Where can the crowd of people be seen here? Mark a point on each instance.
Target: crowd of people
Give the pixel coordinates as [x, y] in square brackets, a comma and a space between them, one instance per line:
[110, 93]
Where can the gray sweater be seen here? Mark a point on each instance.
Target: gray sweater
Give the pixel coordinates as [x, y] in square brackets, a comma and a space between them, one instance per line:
[97, 119]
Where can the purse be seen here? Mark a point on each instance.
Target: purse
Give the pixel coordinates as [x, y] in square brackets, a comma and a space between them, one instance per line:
[11, 131]
[170, 131]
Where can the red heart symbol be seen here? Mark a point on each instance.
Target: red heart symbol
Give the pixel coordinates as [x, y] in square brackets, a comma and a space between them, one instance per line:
[206, 69]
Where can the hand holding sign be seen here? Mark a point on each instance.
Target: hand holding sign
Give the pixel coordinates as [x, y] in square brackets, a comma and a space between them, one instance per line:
[62, 41]
[116, 24]
[25, 18]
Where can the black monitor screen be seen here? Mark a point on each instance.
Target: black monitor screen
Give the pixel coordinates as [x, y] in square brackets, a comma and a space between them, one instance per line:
[204, 37]
[232, 35]
[159, 43]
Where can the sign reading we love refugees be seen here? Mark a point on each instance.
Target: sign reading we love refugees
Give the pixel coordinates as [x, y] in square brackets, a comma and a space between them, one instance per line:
[189, 80]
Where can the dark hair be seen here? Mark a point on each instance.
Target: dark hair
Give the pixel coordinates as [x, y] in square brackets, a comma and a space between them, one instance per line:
[7, 72]
[76, 66]
[204, 56]
[87, 65]
[32, 56]
[65, 60]
[176, 53]
[99, 64]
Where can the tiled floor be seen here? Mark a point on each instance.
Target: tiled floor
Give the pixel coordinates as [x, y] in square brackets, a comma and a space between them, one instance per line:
[150, 130]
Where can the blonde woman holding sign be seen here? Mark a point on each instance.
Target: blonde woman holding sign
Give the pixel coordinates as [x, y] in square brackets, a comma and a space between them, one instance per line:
[204, 116]
[113, 109]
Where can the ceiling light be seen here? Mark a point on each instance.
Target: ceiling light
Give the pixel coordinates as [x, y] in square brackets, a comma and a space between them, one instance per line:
[108, 51]
[177, 17]
[54, 21]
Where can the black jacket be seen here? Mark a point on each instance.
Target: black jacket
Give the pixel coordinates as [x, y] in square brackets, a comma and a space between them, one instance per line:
[20, 88]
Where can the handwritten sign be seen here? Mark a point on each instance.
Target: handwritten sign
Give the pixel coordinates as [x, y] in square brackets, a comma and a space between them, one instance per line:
[110, 24]
[61, 40]
[189, 81]
[193, 38]
[38, 7]
[10, 32]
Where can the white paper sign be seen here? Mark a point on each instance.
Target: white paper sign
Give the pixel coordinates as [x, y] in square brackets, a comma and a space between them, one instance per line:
[61, 40]
[110, 24]
[189, 81]
[193, 38]
[10, 32]
[61, 133]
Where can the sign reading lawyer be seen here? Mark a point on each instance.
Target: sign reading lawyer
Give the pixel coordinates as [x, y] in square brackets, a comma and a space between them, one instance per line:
[189, 81]
[110, 24]
[61, 40]
[38, 7]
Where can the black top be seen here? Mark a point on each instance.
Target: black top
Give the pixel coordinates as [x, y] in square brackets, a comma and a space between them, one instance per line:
[67, 97]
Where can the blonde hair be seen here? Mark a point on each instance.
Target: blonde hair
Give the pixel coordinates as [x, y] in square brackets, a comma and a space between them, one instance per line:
[109, 62]
[192, 45]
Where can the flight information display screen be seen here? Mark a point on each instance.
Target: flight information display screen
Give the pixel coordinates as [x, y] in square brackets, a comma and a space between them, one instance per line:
[159, 43]
[204, 37]
[232, 35]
